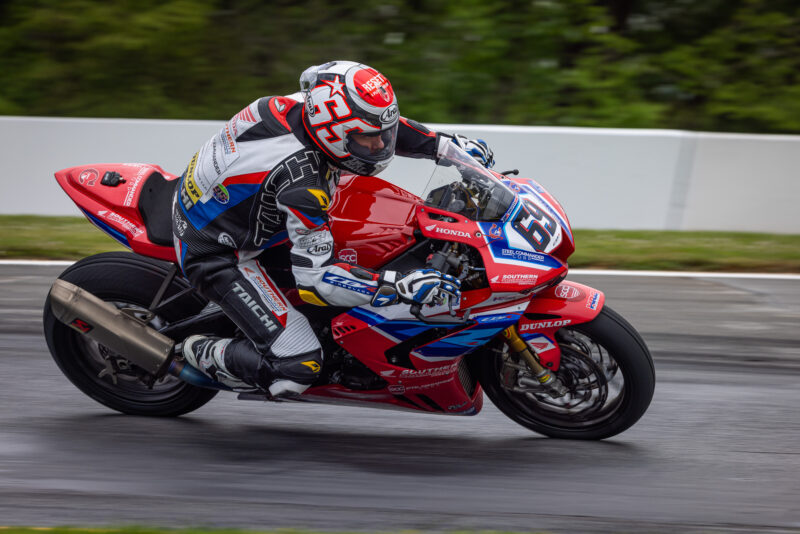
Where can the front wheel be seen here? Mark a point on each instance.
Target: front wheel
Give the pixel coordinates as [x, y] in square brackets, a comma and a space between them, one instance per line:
[606, 368]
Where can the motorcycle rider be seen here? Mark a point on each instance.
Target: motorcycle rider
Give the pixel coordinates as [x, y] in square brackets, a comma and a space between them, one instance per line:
[268, 176]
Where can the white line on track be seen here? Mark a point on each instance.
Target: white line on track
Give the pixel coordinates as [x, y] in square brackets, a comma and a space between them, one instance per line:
[588, 272]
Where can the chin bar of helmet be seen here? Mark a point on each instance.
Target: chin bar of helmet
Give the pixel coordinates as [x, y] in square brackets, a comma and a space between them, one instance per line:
[121, 332]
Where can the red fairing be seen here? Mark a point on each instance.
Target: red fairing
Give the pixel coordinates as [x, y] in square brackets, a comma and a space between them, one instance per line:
[372, 221]
[566, 304]
[115, 207]
[433, 386]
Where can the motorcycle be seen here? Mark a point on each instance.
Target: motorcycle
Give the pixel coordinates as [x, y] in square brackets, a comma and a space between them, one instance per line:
[547, 351]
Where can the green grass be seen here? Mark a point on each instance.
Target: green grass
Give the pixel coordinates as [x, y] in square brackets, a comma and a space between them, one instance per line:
[70, 238]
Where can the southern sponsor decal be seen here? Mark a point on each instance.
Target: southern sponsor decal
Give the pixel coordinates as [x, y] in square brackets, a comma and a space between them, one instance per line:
[419, 373]
[543, 325]
[446, 231]
[540, 343]
[221, 194]
[566, 292]
[347, 283]
[274, 300]
[515, 279]
[226, 239]
[88, 177]
[320, 249]
[249, 301]
[121, 221]
[227, 137]
[521, 255]
[593, 301]
[349, 255]
[81, 325]
[389, 114]
[397, 389]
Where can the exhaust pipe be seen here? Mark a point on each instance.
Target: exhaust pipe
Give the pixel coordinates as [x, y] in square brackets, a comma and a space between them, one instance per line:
[109, 326]
[122, 333]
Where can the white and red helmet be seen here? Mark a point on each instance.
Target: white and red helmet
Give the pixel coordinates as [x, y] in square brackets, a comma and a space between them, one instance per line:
[343, 98]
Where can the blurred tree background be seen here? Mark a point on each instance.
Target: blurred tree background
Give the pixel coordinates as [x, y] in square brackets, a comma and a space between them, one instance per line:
[717, 65]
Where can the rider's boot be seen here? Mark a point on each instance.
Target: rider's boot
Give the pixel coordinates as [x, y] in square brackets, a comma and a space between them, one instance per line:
[208, 355]
[226, 360]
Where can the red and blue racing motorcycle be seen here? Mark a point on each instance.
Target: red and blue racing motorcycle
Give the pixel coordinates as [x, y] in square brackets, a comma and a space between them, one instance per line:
[548, 352]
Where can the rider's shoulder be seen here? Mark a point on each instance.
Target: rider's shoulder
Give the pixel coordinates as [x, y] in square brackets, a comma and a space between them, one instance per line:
[273, 111]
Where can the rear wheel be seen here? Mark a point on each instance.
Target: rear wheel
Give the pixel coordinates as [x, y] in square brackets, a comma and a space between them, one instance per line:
[606, 368]
[127, 281]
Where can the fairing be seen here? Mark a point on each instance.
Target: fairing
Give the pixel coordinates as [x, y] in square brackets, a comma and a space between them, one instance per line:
[114, 208]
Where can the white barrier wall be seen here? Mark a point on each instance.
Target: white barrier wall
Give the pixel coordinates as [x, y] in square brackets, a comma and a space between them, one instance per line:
[605, 178]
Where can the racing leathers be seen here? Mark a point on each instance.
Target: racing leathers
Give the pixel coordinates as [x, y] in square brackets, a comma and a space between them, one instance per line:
[256, 184]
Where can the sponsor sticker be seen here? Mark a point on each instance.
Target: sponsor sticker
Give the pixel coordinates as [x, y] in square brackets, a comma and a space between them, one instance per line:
[319, 249]
[226, 239]
[593, 301]
[312, 239]
[543, 325]
[263, 316]
[567, 292]
[189, 184]
[421, 373]
[221, 194]
[540, 343]
[397, 389]
[496, 318]
[81, 325]
[134, 185]
[522, 255]
[322, 198]
[389, 114]
[495, 232]
[349, 255]
[88, 177]
[270, 294]
[515, 279]
[446, 231]
[347, 283]
[121, 221]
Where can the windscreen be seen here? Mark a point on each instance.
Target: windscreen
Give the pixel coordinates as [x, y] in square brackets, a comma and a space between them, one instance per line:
[461, 185]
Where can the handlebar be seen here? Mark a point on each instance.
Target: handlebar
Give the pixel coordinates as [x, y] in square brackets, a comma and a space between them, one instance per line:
[439, 261]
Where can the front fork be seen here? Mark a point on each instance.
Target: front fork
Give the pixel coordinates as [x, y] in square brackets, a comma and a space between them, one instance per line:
[545, 377]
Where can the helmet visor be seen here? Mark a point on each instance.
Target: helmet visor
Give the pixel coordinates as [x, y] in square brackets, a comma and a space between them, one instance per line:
[373, 147]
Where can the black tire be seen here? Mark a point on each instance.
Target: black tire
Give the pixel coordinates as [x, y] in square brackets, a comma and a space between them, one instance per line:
[129, 279]
[618, 354]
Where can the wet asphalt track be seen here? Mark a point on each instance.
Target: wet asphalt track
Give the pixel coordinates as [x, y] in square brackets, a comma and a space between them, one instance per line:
[716, 451]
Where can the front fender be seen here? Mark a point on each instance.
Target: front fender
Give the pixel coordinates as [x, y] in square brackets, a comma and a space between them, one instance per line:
[566, 304]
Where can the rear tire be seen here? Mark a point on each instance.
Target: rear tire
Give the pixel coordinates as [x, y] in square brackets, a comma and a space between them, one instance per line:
[606, 366]
[123, 278]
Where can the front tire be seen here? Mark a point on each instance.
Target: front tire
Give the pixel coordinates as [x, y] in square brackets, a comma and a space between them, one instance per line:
[128, 280]
[606, 367]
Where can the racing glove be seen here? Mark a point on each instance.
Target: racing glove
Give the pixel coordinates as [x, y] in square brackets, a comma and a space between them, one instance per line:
[422, 286]
[477, 148]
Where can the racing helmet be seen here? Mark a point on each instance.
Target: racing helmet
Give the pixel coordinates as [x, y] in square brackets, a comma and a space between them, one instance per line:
[350, 112]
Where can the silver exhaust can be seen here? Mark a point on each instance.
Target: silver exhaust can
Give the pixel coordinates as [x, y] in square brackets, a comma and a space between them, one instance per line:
[111, 327]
